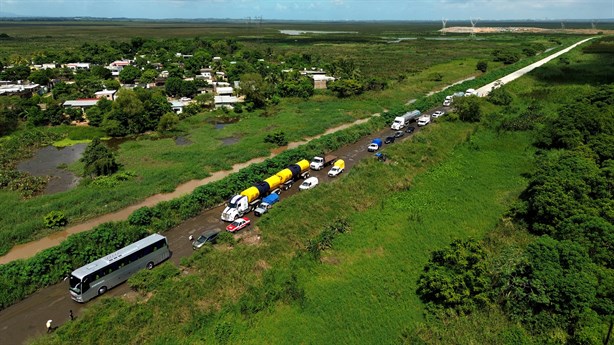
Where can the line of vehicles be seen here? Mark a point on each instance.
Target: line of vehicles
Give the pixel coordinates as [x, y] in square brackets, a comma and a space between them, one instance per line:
[96, 278]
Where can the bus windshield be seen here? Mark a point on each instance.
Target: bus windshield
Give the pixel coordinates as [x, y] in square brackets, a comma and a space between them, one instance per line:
[75, 284]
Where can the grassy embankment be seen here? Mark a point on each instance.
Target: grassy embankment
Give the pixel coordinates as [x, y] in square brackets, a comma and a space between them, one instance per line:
[364, 289]
[161, 165]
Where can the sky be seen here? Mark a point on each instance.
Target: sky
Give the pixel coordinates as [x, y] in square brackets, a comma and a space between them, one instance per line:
[315, 9]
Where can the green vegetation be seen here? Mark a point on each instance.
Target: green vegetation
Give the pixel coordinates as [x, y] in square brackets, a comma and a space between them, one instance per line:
[328, 280]
[161, 164]
[550, 271]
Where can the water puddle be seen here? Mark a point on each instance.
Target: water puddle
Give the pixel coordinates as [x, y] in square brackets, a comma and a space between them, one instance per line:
[45, 162]
[182, 141]
[230, 140]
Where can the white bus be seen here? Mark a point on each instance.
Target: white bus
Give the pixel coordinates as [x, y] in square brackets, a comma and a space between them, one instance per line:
[96, 278]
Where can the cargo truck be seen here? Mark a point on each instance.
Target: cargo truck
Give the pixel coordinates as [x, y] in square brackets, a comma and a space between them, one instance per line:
[318, 163]
[404, 120]
[266, 204]
[375, 145]
[247, 200]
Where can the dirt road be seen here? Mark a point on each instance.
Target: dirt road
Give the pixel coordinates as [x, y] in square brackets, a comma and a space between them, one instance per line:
[27, 318]
[27, 250]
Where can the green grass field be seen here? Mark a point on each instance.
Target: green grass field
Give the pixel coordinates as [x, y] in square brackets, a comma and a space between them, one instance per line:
[443, 184]
[365, 290]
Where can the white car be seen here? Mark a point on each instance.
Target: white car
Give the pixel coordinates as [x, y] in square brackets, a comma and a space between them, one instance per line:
[447, 102]
[438, 113]
[309, 183]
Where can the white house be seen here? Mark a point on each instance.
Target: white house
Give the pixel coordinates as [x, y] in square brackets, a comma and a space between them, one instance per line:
[224, 91]
[78, 65]
[108, 94]
[225, 101]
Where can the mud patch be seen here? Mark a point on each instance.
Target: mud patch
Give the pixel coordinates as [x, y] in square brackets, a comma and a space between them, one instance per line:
[229, 141]
[182, 141]
[331, 260]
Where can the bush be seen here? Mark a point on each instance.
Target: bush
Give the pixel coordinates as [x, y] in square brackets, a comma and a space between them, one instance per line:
[226, 238]
[455, 279]
[278, 138]
[55, 219]
[482, 66]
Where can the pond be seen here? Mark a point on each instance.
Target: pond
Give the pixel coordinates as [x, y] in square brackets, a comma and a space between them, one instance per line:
[45, 162]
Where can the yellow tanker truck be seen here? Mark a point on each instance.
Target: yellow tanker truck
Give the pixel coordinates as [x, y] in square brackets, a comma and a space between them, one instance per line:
[248, 199]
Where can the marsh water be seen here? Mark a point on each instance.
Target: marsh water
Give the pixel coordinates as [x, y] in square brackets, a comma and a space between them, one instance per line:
[46, 162]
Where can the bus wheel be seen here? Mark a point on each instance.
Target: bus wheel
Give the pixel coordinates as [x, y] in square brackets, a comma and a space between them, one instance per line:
[102, 290]
[150, 265]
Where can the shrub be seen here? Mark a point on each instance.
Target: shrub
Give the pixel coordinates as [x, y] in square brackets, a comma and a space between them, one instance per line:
[142, 216]
[482, 66]
[278, 138]
[227, 238]
[455, 278]
[55, 219]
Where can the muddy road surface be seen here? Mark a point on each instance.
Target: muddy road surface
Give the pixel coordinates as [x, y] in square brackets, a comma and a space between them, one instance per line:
[26, 319]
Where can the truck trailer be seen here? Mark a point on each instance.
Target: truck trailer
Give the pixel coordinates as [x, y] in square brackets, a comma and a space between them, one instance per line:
[404, 120]
[247, 200]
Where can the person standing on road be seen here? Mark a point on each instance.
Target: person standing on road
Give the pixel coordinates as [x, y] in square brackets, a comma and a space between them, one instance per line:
[49, 325]
[71, 316]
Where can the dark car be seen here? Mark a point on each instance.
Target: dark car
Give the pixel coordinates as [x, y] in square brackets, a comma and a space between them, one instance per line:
[389, 140]
[399, 134]
[410, 129]
[208, 236]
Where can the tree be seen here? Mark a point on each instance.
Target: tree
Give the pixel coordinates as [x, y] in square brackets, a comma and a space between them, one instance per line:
[500, 96]
[8, 120]
[94, 116]
[148, 76]
[468, 108]
[129, 74]
[129, 112]
[173, 85]
[455, 278]
[482, 66]
[551, 286]
[19, 72]
[346, 87]
[168, 122]
[255, 89]
[99, 159]
[101, 72]
[40, 77]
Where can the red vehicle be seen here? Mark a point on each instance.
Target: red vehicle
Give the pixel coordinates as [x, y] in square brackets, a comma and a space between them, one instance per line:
[238, 224]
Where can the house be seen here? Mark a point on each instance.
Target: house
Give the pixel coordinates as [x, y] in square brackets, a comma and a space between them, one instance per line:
[320, 80]
[312, 72]
[77, 65]
[108, 94]
[23, 90]
[225, 101]
[117, 66]
[178, 106]
[224, 91]
[81, 103]
[220, 75]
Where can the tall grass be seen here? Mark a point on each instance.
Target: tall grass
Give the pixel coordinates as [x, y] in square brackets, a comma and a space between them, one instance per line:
[364, 291]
